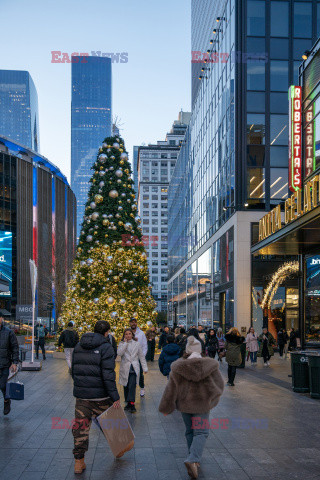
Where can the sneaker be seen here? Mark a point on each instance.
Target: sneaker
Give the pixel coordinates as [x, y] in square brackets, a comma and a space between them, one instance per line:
[252, 364]
[265, 364]
[229, 384]
[127, 407]
[142, 392]
[133, 408]
[268, 364]
[7, 407]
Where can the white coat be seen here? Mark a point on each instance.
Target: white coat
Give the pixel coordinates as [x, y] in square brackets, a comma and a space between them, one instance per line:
[252, 342]
[130, 353]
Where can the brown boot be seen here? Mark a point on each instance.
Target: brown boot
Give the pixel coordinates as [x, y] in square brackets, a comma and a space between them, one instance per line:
[192, 469]
[79, 465]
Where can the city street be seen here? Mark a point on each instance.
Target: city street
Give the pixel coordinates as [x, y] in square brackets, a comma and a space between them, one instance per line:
[272, 433]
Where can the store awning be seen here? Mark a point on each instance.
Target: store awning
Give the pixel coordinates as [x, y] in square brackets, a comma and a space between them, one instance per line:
[301, 236]
[4, 312]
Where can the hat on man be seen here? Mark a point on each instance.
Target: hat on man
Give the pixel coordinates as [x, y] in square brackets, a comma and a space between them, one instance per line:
[193, 345]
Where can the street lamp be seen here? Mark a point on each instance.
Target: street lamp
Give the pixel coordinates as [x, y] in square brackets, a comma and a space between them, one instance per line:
[235, 206]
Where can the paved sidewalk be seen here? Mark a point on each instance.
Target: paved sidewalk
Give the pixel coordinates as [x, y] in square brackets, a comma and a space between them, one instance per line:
[286, 446]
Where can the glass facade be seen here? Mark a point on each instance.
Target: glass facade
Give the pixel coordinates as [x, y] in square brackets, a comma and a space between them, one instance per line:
[237, 152]
[90, 121]
[19, 116]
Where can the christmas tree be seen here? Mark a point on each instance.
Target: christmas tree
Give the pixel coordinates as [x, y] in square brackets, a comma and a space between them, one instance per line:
[110, 278]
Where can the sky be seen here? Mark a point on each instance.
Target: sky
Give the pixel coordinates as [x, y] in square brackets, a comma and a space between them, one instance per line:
[147, 92]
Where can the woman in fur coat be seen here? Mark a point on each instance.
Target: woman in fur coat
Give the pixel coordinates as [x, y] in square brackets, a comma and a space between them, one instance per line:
[233, 353]
[195, 386]
[130, 351]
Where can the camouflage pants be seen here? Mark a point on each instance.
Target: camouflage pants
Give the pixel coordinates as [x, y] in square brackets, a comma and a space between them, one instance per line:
[84, 412]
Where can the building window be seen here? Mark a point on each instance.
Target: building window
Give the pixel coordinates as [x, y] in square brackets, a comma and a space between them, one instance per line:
[155, 230]
[278, 183]
[145, 189]
[145, 197]
[154, 214]
[255, 129]
[279, 76]
[154, 189]
[256, 183]
[145, 214]
[256, 76]
[146, 205]
[302, 22]
[164, 189]
[279, 19]
[163, 155]
[256, 18]
[154, 164]
[278, 129]
[154, 262]
[154, 197]
[256, 102]
[154, 205]
[145, 221]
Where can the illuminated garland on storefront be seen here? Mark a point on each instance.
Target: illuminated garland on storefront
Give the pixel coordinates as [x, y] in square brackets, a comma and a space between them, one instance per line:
[278, 277]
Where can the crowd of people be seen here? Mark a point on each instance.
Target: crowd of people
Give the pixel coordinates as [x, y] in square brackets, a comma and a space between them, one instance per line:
[189, 359]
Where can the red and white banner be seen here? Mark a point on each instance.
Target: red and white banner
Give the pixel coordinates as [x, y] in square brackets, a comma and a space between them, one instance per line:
[295, 138]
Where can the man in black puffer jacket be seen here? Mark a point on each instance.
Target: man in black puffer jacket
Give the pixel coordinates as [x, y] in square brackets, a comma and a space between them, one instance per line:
[9, 358]
[95, 389]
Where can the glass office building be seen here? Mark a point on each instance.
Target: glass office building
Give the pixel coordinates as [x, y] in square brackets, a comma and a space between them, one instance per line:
[19, 116]
[236, 165]
[90, 121]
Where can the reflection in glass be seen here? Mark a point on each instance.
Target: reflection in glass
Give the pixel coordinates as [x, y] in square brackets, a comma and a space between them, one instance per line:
[256, 76]
[302, 22]
[255, 129]
[278, 129]
[256, 183]
[256, 18]
[279, 76]
[278, 183]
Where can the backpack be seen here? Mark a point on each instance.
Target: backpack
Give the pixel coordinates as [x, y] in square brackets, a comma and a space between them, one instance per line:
[41, 332]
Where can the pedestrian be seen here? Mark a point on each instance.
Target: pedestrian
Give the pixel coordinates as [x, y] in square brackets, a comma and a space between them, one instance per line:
[141, 338]
[233, 353]
[151, 340]
[195, 386]
[163, 337]
[132, 359]
[282, 342]
[252, 345]
[9, 360]
[69, 339]
[222, 343]
[292, 340]
[266, 346]
[193, 332]
[202, 334]
[40, 334]
[95, 389]
[170, 353]
[176, 332]
[212, 344]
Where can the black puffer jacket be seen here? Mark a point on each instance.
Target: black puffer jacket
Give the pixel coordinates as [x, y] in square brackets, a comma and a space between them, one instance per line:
[93, 365]
[68, 338]
[9, 348]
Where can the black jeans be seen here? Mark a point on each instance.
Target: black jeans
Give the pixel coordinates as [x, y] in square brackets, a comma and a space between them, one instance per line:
[141, 380]
[40, 343]
[4, 374]
[151, 350]
[130, 388]
[281, 347]
[231, 373]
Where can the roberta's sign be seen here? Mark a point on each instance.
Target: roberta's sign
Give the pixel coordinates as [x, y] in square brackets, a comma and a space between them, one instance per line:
[295, 138]
[295, 206]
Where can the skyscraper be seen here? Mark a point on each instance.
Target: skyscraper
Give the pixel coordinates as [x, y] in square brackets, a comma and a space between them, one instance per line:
[19, 116]
[236, 164]
[90, 121]
[155, 165]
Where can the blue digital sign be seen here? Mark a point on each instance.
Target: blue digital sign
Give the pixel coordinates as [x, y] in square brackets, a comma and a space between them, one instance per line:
[5, 264]
[313, 272]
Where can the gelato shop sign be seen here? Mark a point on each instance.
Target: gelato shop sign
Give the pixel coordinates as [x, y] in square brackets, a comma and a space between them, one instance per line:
[300, 203]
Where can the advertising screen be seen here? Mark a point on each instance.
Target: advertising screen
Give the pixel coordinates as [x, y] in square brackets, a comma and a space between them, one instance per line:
[313, 272]
[5, 264]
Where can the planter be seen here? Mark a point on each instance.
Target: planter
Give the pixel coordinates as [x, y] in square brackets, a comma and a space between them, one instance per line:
[60, 355]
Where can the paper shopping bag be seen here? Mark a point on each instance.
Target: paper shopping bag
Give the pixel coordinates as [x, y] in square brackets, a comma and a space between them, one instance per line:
[117, 430]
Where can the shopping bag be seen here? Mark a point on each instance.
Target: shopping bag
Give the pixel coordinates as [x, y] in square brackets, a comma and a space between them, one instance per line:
[15, 391]
[117, 430]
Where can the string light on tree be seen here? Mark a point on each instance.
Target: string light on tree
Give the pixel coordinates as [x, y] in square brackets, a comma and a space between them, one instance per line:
[110, 278]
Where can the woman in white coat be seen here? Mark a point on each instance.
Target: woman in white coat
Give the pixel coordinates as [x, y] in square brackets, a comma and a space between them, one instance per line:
[252, 346]
[130, 351]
